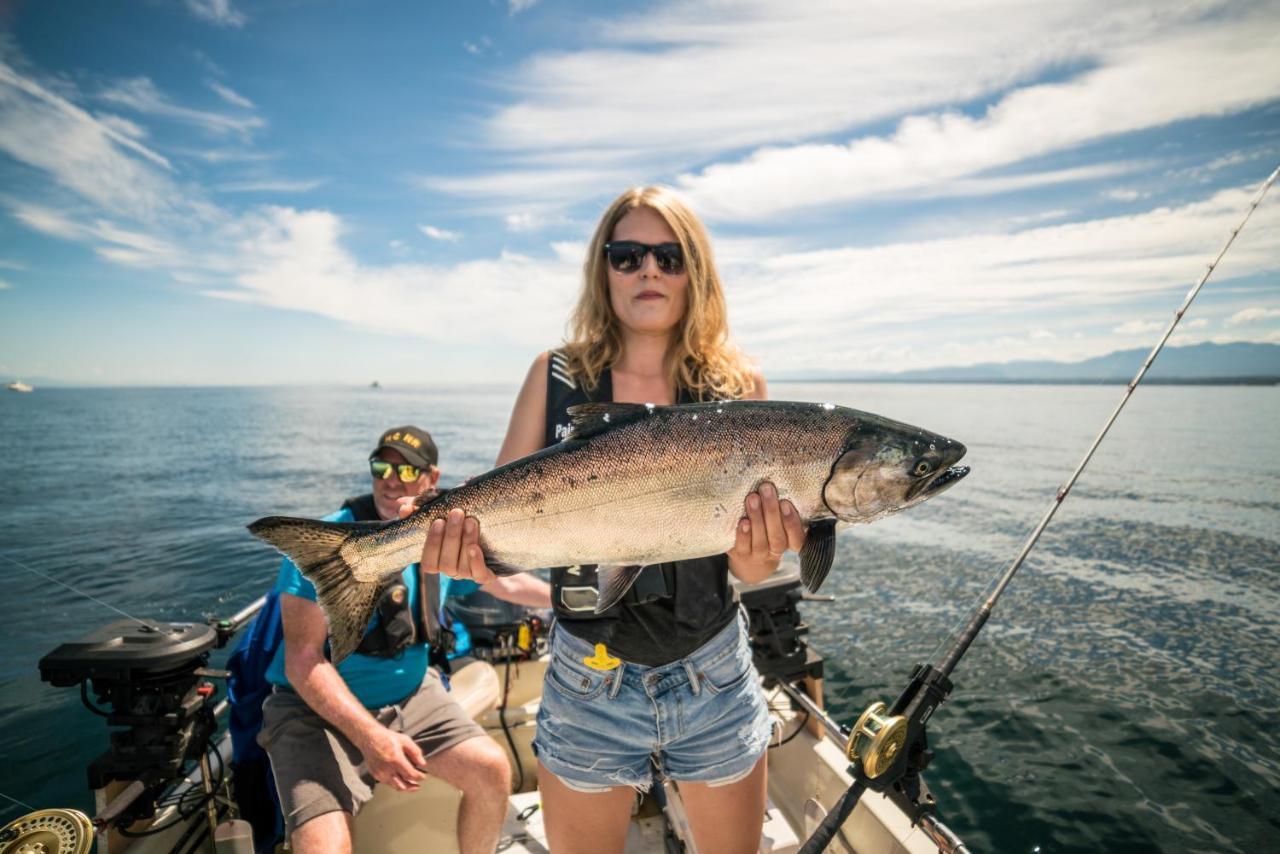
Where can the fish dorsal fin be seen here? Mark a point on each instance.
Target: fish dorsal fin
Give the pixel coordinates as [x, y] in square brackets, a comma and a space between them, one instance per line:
[817, 553]
[590, 419]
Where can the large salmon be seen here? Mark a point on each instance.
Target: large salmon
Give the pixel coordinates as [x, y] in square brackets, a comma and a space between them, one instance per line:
[634, 485]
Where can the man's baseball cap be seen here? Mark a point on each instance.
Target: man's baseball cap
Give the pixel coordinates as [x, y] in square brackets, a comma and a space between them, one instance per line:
[413, 443]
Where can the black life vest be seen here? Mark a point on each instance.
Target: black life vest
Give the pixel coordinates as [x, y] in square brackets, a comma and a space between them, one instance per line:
[673, 608]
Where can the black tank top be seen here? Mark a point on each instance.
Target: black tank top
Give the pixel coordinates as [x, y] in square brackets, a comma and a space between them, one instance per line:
[673, 608]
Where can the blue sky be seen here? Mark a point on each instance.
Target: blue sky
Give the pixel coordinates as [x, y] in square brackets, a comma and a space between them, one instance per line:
[234, 192]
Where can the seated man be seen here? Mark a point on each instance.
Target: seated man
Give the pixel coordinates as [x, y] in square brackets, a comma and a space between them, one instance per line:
[380, 715]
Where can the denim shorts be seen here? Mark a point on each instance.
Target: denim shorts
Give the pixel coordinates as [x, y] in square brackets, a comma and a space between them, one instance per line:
[704, 718]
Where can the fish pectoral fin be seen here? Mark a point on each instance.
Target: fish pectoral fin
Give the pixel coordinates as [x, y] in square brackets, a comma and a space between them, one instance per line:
[817, 553]
[613, 583]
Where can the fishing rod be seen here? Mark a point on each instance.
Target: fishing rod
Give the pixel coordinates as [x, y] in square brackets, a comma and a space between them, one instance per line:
[888, 747]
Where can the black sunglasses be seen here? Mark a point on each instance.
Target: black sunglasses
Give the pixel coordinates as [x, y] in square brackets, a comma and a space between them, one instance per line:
[626, 256]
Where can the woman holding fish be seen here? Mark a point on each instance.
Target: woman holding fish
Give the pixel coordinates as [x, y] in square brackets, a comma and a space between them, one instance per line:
[648, 655]
[666, 671]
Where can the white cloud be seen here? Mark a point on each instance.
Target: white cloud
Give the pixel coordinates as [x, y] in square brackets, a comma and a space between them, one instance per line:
[1138, 327]
[518, 222]
[231, 155]
[122, 126]
[47, 221]
[4, 286]
[293, 259]
[1091, 275]
[141, 95]
[737, 70]
[440, 233]
[1216, 69]
[1197, 323]
[219, 12]
[270, 185]
[1041, 335]
[92, 158]
[518, 6]
[1252, 315]
[231, 96]
[478, 47]
[1121, 194]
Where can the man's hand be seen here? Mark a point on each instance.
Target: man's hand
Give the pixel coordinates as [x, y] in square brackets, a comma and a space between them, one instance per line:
[769, 528]
[393, 759]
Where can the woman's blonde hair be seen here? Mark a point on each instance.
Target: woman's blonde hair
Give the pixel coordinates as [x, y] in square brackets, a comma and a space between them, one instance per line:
[701, 358]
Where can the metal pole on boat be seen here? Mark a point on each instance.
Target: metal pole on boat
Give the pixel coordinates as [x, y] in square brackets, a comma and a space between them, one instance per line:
[887, 747]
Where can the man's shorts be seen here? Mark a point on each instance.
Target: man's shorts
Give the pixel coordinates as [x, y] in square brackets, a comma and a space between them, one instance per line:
[317, 768]
[703, 717]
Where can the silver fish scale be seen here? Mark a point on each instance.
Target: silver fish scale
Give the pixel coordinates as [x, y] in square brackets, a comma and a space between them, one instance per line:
[669, 486]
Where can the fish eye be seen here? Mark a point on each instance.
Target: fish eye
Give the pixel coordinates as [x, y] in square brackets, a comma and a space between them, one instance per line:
[922, 468]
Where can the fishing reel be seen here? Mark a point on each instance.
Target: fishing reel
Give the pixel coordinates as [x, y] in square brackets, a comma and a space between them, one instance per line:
[56, 831]
[876, 740]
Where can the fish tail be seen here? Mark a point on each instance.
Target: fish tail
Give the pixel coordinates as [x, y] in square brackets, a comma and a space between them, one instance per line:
[316, 549]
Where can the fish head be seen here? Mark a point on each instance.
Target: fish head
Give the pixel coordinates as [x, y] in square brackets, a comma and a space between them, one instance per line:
[886, 466]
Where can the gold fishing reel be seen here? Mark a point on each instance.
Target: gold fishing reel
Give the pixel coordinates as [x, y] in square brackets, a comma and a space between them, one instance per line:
[876, 740]
[48, 832]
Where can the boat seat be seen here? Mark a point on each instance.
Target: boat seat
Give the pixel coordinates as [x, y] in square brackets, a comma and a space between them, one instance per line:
[476, 687]
[425, 820]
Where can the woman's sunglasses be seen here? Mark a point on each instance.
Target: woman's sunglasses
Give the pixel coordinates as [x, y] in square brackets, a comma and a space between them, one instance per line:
[626, 256]
[381, 470]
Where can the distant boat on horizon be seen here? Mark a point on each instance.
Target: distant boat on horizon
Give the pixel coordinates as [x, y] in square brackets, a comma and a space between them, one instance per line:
[374, 384]
[19, 385]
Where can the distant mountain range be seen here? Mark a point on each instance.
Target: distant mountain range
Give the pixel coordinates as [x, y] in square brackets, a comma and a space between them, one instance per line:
[1241, 363]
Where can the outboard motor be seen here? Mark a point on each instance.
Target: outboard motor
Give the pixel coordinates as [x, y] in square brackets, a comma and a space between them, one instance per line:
[147, 682]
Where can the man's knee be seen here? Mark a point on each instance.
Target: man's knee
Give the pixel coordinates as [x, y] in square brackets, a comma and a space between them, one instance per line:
[487, 767]
[492, 762]
[327, 833]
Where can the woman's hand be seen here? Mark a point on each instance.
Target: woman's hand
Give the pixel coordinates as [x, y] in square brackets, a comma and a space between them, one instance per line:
[453, 545]
[768, 529]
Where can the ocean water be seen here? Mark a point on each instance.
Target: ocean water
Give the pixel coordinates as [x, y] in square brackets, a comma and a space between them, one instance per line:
[1124, 696]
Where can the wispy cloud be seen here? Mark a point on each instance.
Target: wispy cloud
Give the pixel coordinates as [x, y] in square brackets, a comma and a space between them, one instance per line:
[882, 307]
[1138, 327]
[219, 12]
[1252, 315]
[230, 155]
[440, 233]
[1055, 77]
[922, 291]
[269, 185]
[141, 95]
[1216, 69]
[295, 260]
[1123, 194]
[481, 45]
[4, 286]
[231, 96]
[518, 6]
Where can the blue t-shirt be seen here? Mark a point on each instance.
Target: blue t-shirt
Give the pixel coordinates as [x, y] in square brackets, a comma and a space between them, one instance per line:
[373, 680]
